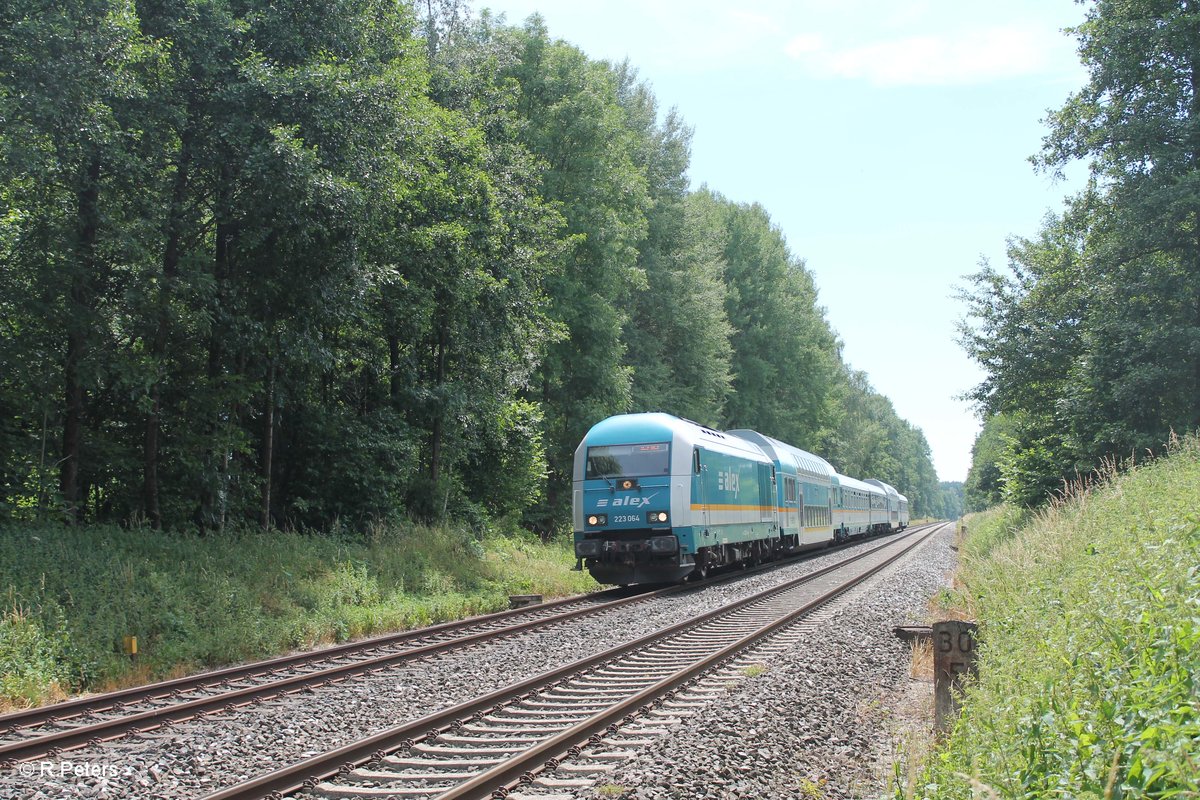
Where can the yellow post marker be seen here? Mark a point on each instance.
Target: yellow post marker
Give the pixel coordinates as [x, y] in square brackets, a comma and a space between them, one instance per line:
[131, 645]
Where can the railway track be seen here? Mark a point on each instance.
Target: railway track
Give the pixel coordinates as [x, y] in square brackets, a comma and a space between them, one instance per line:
[52, 730]
[49, 730]
[518, 736]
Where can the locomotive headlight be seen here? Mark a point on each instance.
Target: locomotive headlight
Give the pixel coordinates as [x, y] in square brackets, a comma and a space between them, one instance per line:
[588, 547]
[664, 544]
[597, 519]
[657, 517]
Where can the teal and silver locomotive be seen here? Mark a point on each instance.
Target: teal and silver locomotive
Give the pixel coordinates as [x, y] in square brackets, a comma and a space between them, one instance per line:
[660, 499]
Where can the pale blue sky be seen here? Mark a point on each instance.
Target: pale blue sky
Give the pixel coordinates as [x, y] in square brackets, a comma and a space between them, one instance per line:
[888, 140]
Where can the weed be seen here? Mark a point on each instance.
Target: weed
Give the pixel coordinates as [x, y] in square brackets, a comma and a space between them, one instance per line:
[72, 595]
[35, 657]
[922, 660]
[814, 790]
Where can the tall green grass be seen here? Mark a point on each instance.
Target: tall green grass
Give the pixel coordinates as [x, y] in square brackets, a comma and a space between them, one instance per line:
[1089, 663]
[71, 595]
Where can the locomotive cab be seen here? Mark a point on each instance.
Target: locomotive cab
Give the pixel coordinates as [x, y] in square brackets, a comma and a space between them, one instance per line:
[657, 498]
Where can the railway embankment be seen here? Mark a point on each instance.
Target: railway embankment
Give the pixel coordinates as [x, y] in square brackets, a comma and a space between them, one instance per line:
[1089, 657]
[69, 597]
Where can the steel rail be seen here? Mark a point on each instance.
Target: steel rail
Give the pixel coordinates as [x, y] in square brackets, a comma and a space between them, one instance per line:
[163, 690]
[106, 730]
[180, 710]
[548, 754]
[308, 773]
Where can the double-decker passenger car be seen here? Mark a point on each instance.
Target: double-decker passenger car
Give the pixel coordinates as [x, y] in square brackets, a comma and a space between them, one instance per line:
[859, 511]
[895, 507]
[804, 492]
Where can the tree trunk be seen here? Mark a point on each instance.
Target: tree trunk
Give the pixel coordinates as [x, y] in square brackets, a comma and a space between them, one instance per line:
[80, 305]
[72, 424]
[150, 460]
[1194, 245]
[439, 412]
[212, 505]
[394, 367]
[158, 347]
[268, 448]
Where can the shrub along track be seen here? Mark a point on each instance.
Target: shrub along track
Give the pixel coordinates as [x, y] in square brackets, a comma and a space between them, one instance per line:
[509, 736]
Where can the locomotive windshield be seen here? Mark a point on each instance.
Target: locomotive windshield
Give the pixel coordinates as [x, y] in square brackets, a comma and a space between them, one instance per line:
[629, 460]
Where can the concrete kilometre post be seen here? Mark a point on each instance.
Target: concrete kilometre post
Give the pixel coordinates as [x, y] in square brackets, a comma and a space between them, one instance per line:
[953, 659]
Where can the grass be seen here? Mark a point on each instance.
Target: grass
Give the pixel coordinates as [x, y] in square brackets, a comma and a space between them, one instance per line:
[1089, 670]
[70, 596]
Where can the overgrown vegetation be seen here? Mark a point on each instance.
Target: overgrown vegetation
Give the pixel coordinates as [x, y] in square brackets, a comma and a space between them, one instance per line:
[71, 594]
[1090, 342]
[1089, 671]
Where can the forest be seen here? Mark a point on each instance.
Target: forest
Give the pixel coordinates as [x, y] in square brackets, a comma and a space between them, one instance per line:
[1090, 339]
[302, 264]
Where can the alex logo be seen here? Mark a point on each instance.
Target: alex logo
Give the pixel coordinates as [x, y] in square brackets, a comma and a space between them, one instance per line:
[627, 502]
[729, 482]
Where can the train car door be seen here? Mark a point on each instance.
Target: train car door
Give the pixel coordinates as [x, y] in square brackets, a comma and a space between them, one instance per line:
[801, 511]
[791, 505]
[699, 492]
[768, 494]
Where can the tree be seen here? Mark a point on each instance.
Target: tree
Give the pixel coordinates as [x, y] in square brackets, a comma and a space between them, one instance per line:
[575, 124]
[1026, 329]
[498, 321]
[984, 486]
[291, 264]
[70, 73]
[1138, 120]
[785, 357]
[678, 333]
[1092, 348]
[949, 503]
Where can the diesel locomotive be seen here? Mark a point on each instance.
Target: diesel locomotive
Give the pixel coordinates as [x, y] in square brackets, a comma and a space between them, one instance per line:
[661, 499]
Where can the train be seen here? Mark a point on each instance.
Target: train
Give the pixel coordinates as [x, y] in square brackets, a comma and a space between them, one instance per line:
[661, 499]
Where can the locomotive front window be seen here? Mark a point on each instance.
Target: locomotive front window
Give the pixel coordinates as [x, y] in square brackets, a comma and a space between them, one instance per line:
[629, 460]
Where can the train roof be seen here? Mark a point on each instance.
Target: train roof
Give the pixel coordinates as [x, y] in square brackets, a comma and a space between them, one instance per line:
[655, 426]
[804, 462]
[888, 489]
[862, 486]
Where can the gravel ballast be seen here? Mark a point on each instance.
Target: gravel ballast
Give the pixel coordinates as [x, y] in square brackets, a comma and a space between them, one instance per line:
[789, 717]
[827, 718]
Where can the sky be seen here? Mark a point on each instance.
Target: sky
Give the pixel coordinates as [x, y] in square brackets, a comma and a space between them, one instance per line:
[888, 139]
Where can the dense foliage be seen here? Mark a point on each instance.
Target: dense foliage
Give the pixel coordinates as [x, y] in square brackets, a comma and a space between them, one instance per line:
[1091, 339]
[948, 502]
[297, 262]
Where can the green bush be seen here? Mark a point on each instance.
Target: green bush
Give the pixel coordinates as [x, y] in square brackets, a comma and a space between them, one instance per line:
[36, 657]
[197, 602]
[987, 529]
